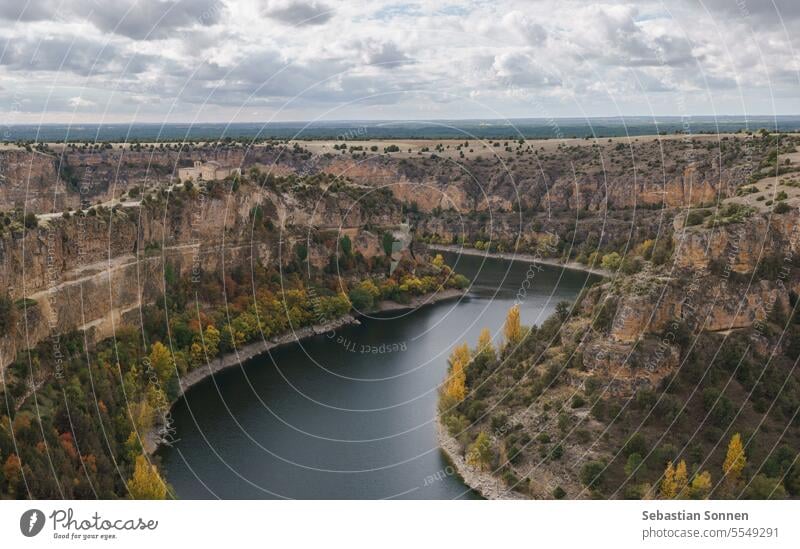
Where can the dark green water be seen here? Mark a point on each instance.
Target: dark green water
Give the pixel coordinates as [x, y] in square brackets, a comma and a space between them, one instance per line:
[322, 419]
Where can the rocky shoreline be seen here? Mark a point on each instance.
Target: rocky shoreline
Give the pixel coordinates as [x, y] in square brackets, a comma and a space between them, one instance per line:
[525, 258]
[482, 482]
[158, 436]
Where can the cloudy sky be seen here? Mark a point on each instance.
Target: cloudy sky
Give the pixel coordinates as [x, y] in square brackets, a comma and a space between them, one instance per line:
[265, 60]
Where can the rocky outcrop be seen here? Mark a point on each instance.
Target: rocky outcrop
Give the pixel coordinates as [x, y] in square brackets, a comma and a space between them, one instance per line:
[93, 272]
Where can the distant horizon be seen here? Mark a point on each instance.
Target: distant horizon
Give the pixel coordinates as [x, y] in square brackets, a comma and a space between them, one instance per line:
[411, 120]
[362, 130]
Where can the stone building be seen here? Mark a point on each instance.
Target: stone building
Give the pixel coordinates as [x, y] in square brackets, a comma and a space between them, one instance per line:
[206, 171]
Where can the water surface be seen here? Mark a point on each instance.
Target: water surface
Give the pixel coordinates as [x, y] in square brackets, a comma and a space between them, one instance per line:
[325, 418]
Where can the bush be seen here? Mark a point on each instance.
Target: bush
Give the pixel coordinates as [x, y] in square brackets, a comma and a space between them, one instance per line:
[361, 299]
[559, 493]
[763, 487]
[636, 444]
[782, 208]
[695, 217]
[611, 262]
[631, 265]
[592, 474]
[31, 221]
[460, 281]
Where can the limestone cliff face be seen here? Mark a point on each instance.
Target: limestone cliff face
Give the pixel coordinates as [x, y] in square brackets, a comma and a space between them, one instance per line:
[715, 282]
[93, 272]
[30, 180]
[713, 304]
[737, 246]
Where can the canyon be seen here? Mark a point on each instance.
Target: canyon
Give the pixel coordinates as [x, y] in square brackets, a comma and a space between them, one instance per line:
[92, 234]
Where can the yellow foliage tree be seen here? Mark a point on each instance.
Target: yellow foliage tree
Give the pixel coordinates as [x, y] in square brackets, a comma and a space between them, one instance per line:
[669, 488]
[485, 346]
[512, 328]
[460, 355]
[735, 460]
[701, 486]
[161, 361]
[438, 261]
[211, 340]
[479, 454]
[146, 482]
[681, 480]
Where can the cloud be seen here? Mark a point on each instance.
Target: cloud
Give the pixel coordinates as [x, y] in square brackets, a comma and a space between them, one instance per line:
[298, 12]
[79, 102]
[382, 56]
[75, 55]
[30, 10]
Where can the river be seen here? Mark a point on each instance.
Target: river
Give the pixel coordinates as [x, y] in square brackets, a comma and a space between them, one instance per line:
[330, 417]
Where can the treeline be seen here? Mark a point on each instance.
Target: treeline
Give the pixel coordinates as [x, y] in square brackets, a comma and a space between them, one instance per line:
[77, 421]
[723, 425]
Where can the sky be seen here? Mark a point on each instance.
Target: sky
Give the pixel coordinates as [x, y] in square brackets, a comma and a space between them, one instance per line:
[124, 61]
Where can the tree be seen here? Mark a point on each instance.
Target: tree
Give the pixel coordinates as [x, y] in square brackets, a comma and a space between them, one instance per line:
[460, 356]
[438, 261]
[12, 470]
[31, 221]
[669, 487]
[701, 486]
[361, 299]
[301, 251]
[211, 340]
[387, 242]
[161, 362]
[592, 474]
[512, 328]
[763, 487]
[347, 246]
[480, 454]
[633, 465]
[485, 346]
[146, 483]
[611, 262]
[681, 480]
[735, 460]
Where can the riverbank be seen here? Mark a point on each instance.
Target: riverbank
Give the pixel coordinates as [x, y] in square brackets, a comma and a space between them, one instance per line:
[482, 482]
[524, 258]
[158, 435]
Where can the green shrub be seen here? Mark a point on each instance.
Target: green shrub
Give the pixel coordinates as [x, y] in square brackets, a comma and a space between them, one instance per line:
[361, 299]
[611, 262]
[695, 217]
[592, 474]
[31, 221]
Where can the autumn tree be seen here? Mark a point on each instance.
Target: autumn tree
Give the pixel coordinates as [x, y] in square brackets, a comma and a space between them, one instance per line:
[512, 328]
[681, 480]
[12, 470]
[211, 340]
[701, 486]
[455, 387]
[460, 355]
[669, 487]
[485, 346]
[146, 483]
[735, 460]
[161, 362]
[479, 453]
